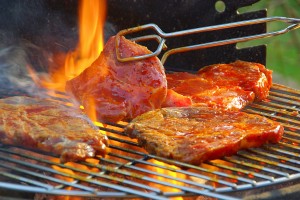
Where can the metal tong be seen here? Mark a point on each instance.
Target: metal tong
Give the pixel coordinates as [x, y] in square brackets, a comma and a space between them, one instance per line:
[161, 36]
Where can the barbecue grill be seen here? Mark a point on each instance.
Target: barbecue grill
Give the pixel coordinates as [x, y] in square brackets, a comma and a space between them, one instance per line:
[269, 172]
[129, 172]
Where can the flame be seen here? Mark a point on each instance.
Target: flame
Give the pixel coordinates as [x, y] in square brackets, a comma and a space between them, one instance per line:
[92, 15]
[169, 173]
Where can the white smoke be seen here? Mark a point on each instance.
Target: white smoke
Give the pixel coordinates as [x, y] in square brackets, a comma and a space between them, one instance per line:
[14, 76]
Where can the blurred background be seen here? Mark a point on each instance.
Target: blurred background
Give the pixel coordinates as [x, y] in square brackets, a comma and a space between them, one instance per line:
[41, 32]
[283, 52]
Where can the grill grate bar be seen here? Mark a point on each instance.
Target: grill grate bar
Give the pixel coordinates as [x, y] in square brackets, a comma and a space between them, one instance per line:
[276, 117]
[111, 131]
[201, 169]
[284, 97]
[283, 88]
[183, 188]
[289, 145]
[33, 166]
[267, 161]
[293, 140]
[285, 152]
[278, 157]
[160, 175]
[23, 179]
[122, 141]
[170, 177]
[290, 133]
[246, 172]
[32, 189]
[281, 107]
[236, 160]
[233, 185]
[130, 172]
[81, 178]
[290, 100]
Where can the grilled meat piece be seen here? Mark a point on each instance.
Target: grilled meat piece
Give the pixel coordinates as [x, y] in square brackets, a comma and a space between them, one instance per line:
[120, 91]
[49, 126]
[227, 86]
[205, 92]
[249, 76]
[196, 134]
[174, 99]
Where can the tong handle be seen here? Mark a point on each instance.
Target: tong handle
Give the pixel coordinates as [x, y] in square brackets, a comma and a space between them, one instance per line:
[162, 36]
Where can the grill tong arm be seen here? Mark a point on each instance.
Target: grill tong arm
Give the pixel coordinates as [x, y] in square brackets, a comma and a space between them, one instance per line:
[161, 36]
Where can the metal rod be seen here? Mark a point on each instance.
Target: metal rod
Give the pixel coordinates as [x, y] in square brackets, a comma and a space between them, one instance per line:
[162, 36]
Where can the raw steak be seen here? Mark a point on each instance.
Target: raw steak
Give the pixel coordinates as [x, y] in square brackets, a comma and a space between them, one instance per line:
[49, 126]
[196, 134]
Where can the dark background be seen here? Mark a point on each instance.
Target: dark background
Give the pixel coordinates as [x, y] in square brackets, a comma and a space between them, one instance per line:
[52, 25]
[33, 30]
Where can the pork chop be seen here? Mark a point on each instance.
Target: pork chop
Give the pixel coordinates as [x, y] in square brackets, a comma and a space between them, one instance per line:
[227, 86]
[205, 92]
[49, 126]
[196, 134]
[120, 91]
[250, 76]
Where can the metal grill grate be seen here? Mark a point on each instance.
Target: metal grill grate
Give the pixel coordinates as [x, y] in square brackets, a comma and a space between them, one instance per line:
[128, 171]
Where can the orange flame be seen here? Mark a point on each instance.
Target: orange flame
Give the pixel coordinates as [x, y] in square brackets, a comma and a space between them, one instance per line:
[92, 15]
[91, 42]
[91, 38]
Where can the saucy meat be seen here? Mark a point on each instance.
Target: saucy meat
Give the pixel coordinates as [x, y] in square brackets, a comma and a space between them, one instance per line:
[250, 76]
[226, 86]
[49, 126]
[120, 91]
[205, 92]
[196, 134]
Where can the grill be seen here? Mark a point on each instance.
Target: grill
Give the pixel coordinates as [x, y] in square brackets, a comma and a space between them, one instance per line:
[129, 172]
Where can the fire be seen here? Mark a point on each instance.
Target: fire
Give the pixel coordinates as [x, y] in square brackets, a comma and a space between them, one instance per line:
[169, 173]
[92, 15]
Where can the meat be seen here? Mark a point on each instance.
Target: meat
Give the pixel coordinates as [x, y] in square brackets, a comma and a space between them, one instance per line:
[205, 92]
[249, 76]
[226, 86]
[120, 91]
[196, 134]
[49, 126]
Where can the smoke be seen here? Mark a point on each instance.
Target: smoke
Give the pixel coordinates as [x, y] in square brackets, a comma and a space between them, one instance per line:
[31, 32]
[14, 76]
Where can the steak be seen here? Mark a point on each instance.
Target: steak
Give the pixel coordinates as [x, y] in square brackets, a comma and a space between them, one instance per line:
[226, 86]
[250, 76]
[196, 134]
[120, 91]
[205, 92]
[51, 127]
